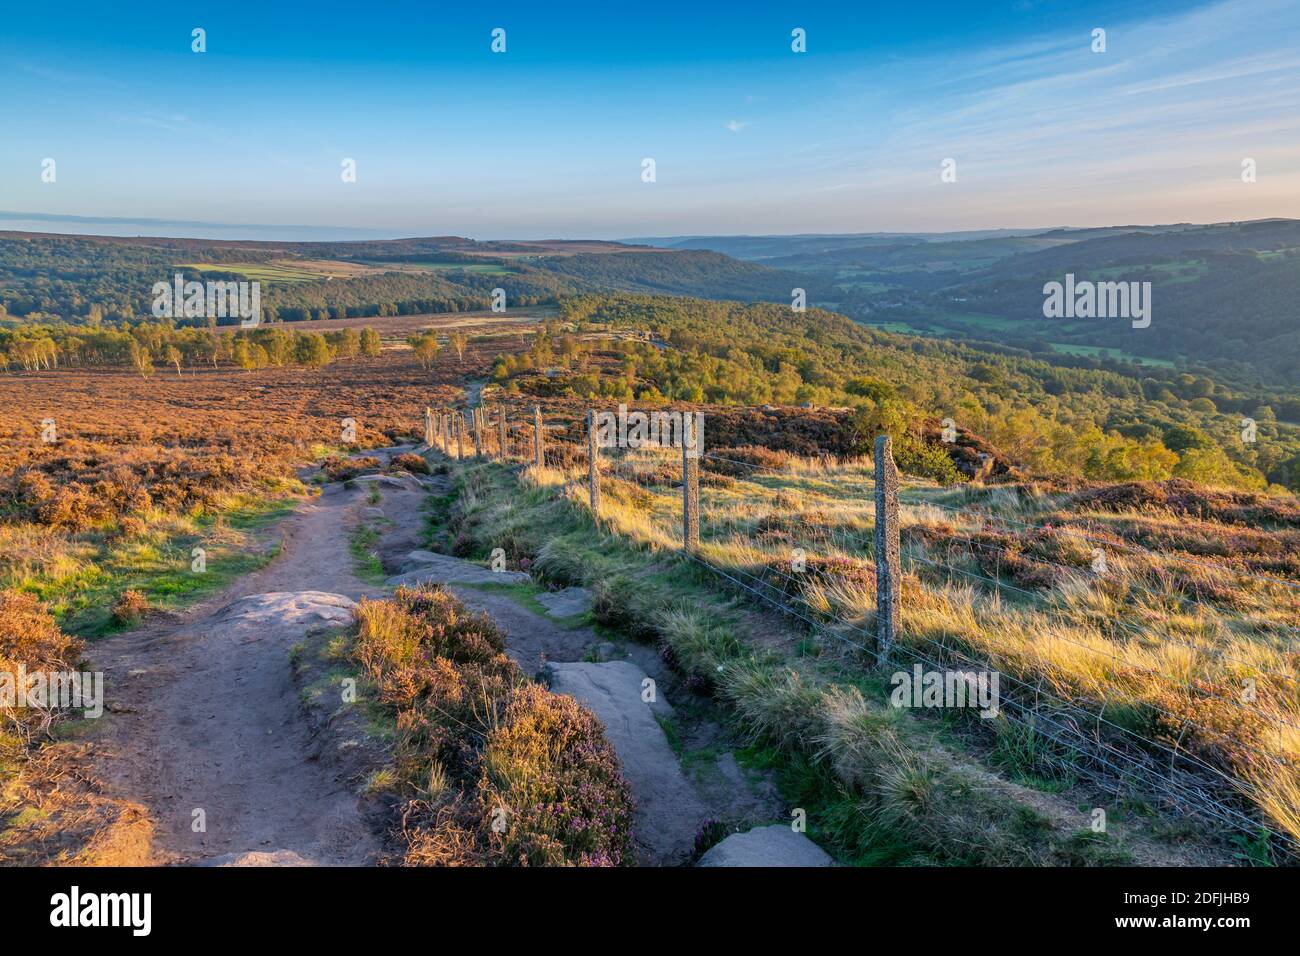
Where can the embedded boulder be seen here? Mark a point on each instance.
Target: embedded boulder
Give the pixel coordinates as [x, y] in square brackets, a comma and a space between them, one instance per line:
[428, 567]
[300, 612]
[775, 845]
[569, 602]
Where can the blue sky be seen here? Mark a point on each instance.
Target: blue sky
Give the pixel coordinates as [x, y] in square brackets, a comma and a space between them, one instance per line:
[548, 138]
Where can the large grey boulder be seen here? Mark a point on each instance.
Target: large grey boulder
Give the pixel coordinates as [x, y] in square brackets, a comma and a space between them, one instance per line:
[775, 845]
[427, 567]
[285, 611]
[668, 808]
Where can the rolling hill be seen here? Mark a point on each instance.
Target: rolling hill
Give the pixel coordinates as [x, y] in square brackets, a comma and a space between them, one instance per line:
[1224, 294]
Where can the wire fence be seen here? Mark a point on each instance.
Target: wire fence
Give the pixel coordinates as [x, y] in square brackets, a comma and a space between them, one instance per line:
[1190, 736]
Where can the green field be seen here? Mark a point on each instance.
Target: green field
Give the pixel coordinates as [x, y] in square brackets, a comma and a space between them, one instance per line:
[255, 271]
[1094, 351]
[1188, 270]
[901, 328]
[942, 324]
[862, 280]
[965, 323]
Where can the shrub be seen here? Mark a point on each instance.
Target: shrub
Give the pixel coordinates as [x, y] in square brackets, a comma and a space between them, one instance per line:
[30, 637]
[736, 462]
[412, 463]
[72, 507]
[448, 629]
[619, 603]
[130, 607]
[916, 457]
[550, 768]
[560, 563]
[132, 526]
[708, 835]
[497, 769]
[341, 469]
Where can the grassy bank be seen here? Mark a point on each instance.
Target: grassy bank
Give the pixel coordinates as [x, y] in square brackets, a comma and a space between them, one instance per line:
[82, 576]
[879, 785]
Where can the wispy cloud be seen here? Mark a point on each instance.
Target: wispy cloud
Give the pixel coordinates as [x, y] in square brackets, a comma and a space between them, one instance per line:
[1046, 124]
[172, 122]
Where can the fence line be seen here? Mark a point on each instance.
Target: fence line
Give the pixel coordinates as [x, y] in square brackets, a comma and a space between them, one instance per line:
[887, 638]
[1202, 802]
[1186, 722]
[1275, 720]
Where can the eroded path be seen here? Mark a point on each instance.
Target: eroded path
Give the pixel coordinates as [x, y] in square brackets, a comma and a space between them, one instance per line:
[207, 731]
[204, 726]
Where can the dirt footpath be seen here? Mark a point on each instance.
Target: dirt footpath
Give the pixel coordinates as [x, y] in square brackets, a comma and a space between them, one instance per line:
[204, 726]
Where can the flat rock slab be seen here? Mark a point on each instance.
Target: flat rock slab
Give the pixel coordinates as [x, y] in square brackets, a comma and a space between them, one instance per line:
[278, 611]
[569, 602]
[404, 481]
[620, 683]
[668, 808]
[427, 567]
[775, 845]
[418, 559]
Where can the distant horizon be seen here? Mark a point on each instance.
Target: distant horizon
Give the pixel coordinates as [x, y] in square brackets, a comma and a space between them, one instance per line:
[14, 221]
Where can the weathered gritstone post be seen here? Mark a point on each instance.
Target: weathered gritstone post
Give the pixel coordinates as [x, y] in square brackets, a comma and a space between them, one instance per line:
[446, 434]
[501, 429]
[593, 463]
[428, 427]
[692, 445]
[460, 436]
[889, 570]
[539, 447]
[478, 432]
